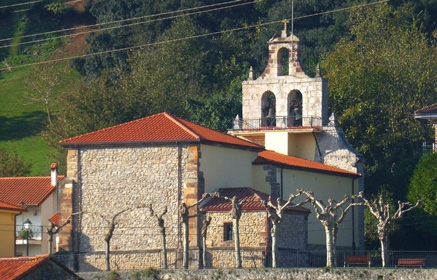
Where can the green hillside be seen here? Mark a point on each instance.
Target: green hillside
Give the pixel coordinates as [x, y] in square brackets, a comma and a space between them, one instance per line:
[22, 123]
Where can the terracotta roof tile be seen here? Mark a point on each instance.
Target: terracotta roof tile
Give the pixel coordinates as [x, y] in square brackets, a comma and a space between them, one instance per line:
[7, 206]
[431, 109]
[300, 163]
[14, 268]
[159, 128]
[55, 218]
[29, 190]
[253, 198]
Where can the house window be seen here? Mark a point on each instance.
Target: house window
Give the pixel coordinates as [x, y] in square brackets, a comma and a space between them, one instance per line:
[227, 231]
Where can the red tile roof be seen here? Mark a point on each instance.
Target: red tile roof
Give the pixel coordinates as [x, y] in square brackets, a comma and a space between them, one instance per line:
[253, 197]
[55, 218]
[431, 109]
[28, 190]
[14, 268]
[428, 112]
[160, 128]
[19, 267]
[7, 206]
[300, 163]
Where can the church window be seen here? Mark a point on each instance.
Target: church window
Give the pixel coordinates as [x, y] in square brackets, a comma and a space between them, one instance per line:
[227, 231]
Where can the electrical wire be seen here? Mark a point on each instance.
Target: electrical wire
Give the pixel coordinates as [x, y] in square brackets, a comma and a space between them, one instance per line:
[122, 21]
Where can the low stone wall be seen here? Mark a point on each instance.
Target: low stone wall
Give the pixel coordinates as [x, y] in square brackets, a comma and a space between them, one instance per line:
[292, 273]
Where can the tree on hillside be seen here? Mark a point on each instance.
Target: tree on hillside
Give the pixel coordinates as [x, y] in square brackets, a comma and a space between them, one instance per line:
[381, 210]
[12, 165]
[275, 216]
[330, 215]
[378, 76]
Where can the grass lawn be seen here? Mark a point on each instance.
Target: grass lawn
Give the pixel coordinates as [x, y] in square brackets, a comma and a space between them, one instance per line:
[21, 122]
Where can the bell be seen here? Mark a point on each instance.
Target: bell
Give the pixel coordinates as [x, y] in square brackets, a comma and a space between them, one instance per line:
[271, 114]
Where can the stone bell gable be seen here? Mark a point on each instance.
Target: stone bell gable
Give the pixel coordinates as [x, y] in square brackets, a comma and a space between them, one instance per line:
[284, 95]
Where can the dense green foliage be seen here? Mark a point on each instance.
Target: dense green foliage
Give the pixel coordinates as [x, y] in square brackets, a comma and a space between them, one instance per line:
[12, 165]
[378, 78]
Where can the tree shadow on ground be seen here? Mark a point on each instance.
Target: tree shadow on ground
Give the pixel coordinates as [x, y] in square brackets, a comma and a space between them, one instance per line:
[19, 127]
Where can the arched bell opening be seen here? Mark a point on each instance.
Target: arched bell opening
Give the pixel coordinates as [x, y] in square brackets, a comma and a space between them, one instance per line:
[268, 109]
[283, 62]
[295, 108]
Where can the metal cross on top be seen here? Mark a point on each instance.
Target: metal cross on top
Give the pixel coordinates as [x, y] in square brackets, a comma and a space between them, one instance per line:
[285, 21]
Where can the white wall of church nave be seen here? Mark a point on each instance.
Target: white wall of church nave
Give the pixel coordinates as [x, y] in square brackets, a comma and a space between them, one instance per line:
[226, 167]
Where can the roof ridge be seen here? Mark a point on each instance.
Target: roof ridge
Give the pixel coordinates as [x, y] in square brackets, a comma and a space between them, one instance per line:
[110, 127]
[177, 121]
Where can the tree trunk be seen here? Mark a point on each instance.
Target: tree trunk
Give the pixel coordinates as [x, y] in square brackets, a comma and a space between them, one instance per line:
[108, 265]
[384, 251]
[329, 247]
[274, 246]
[185, 257]
[236, 232]
[204, 252]
[164, 249]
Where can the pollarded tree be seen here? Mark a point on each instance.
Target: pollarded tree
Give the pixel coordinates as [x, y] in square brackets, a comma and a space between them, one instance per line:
[160, 220]
[185, 216]
[112, 223]
[330, 215]
[275, 216]
[380, 209]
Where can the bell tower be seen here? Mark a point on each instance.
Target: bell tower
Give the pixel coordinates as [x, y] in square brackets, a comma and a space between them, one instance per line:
[284, 96]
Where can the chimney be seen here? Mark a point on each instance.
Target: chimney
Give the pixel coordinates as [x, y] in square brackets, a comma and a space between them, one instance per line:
[54, 174]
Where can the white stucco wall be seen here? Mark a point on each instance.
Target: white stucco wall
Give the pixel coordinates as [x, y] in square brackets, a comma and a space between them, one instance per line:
[324, 187]
[300, 145]
[226, 167]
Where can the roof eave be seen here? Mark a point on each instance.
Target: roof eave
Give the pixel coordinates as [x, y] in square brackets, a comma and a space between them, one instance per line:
[76, 144]
[327, 172]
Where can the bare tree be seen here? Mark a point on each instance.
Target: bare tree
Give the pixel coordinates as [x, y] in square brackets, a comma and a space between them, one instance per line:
[54, 229]
[184, 214]
[43, 84]
[204, 231]
[330, 216]
[160, 221]
[109, 232]
[275, 216]
[380, 209]
[236, 215]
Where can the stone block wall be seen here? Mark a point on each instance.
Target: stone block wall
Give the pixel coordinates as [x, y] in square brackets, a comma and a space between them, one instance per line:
[105, 181]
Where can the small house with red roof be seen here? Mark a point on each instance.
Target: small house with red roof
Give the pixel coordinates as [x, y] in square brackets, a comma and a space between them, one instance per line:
[36, 199]
[255, 231]
[283, 141]
[429, 113]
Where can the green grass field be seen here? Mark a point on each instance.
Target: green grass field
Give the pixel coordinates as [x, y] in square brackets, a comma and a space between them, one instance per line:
[21, 122]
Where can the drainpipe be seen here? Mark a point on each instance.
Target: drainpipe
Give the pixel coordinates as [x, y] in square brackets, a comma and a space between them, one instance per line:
[353, 217]
[282, 184]
[266, 249]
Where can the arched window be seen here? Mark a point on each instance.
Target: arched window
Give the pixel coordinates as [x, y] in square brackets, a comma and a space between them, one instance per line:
[295, 108]
[283, 58]
[268, 109]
